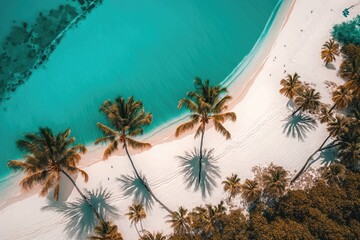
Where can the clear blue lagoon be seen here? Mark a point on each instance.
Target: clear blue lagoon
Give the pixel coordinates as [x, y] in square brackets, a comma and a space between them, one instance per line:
[149, 49]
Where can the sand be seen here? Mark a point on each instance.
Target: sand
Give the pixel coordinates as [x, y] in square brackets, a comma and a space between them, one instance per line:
[258, 136]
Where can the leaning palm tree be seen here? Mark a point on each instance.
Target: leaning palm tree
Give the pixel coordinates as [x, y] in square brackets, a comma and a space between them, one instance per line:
[111, 232]
[136, 214]
[232, 185]
[205, 104]
[153, 236]
[291, 85]
[275, 182]
[48, 158]
[337, 127]
[307, 100]
[329, 50]
[341, 97]
[180, 221]
[128, 119]
[250, 191]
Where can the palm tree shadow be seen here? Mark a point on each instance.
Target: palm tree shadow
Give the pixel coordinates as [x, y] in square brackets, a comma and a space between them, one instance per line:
[327, 157]
[132, 186]
[190, 170]
[298, 126]
[80, 218]
[330, 66]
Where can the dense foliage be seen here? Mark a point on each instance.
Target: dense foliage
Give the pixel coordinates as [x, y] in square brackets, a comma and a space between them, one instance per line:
[328, 210]
[347, 32]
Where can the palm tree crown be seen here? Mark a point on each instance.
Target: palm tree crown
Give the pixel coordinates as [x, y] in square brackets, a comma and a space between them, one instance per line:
[275, 182]
[250, 191]
[308, 100]
[110, 232]
[205, 104]
[232, 185]
[153, 236]
[46, 157]
[128, 119]
[291, 85]
[329, 50]
[180, 221]
[341, 97]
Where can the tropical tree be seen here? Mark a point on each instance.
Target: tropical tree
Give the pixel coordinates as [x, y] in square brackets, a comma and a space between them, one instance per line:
[275, 181]
[349, 146]
[110, 232]
[334, 174]
[206, 220]
[136, 214]
[205, 104]
[232, 185]
[329, 50]
[49, 157]
[337, 127]
[153, 236]
[128, 119]
[180, 221]
[341, 98]
[291, 85]
[250, 191]
[307, 100]
[325, 115]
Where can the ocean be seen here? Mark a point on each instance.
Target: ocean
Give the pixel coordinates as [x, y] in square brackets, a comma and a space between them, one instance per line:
[151, 50]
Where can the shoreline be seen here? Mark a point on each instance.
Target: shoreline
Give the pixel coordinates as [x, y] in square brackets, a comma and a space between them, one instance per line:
[238, 88]
[259, 136]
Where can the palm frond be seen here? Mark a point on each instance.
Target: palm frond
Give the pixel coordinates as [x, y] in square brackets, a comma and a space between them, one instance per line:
[30, 179]
[221, 129]
[138, 145]
[111, 148]
[107, 131]
[186, 126]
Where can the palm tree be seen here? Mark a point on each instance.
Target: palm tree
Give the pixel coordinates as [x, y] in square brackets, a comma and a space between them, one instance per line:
[250, 191]
[275, 182]
[334, 174]
[111, 232]
[341, 98]
[329, 50]
[325, 115]
[47, 158]
[207, 219]
[291, 85]
[349, 146]
[205, 104]
[128, 119]
[337, 127]
[232, 185]
[307, 100]
[136, 214]
[350, 69]
[180, 221]
[153, 236]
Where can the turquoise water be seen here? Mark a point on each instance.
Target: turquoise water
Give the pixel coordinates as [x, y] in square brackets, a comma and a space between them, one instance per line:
[149, 49]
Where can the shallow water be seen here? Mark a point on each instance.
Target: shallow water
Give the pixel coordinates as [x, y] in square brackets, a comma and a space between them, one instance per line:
[149, 49]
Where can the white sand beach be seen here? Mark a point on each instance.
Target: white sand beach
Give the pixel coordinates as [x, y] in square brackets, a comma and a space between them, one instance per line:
[258, 136]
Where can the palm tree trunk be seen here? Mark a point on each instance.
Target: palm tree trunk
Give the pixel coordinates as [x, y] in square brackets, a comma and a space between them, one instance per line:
[142, 181]
[201, 152]
[297, 110]
[98, 216]
[332, 108]
[137, 230]
[308, 160]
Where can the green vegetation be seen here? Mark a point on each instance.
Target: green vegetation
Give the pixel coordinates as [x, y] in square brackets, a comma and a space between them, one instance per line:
[347, 32]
